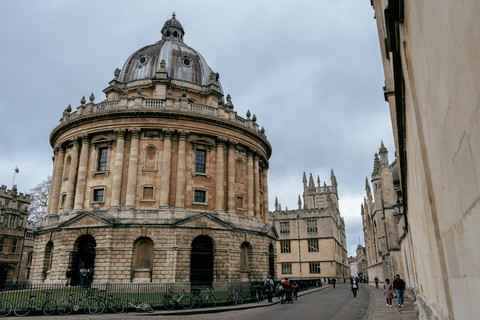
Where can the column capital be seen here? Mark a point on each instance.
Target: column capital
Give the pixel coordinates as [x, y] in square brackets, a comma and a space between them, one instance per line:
[120, 133]
[135, 132]
[57, 149]
[167, 133]
[74, 140]
[85, 138]
[232, 144]
[183, 134]
[221, 141]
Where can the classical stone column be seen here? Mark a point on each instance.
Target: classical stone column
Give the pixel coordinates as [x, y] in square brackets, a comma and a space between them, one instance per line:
[132, 168]
[231, 177]
[82, 174]
[250, 184]
[182, 149]
[118, 168]
[256, 177]
[166, 168]
[265, 194]
[220, 176]
[72, 177]
[56, 180]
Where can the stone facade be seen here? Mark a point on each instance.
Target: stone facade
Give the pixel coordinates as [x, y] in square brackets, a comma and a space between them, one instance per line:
[380, 228]
[160, 182]
[16, 236]
[430, 58]
[312, 242]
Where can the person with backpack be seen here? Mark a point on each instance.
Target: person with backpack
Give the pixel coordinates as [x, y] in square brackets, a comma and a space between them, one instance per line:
[269, 286]
[376, 282]
[355, 287]
[68, 275]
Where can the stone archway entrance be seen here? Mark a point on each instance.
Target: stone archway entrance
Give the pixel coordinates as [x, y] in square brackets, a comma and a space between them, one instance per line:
[201, 261]
[83, 255]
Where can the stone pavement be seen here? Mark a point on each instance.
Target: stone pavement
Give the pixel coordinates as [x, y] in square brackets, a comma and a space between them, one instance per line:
[378, 306]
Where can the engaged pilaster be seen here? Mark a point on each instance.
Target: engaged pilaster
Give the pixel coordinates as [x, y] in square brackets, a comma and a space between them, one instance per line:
[265, 194]
[118, 168]
[256, 176]
[132, 168]
[72, 177]
[166, 168]
[56, 180]
[250, 184]
[231, 177]
[220, 176]
[182, 149]
[82, 174]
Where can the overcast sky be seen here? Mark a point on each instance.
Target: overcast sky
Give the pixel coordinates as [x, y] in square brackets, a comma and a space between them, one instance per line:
[309, 70]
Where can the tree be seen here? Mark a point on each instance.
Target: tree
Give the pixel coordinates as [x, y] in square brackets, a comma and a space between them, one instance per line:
[39, 199]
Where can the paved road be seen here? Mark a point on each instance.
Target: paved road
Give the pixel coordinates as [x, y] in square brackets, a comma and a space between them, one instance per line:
[327, 303]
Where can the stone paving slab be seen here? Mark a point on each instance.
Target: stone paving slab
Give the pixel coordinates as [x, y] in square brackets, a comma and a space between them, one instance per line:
[380, 311]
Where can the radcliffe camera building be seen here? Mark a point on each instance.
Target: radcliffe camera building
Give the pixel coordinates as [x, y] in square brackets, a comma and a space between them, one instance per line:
[312, 242]
[160, 182]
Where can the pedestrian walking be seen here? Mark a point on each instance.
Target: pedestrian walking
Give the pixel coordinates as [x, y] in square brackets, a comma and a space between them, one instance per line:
[355, 287]
[277, 290]
[399, 286]
[388, 292]
[295, 291]
[269, 285]
[68, 275]
[83, 276]
[376, 282]
[334, 280]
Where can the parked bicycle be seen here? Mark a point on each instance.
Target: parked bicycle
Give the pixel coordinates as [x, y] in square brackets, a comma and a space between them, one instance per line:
[207, 299]
[68, 303]
[47, 305]
[5, 306]
[258, 289]
[171, 300]
[109, 303]
[145, 307]
[236, 297]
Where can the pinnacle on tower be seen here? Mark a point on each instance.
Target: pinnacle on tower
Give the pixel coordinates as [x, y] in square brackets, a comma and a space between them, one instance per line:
[299, 203]
[383, 155]
[318, 181]
[311, 184]
[376, 164]
[276, 204]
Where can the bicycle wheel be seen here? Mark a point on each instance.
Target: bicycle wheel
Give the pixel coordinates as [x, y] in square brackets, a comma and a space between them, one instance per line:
[169, 303]
[239, 298]
[22, 308]
[234, 300]
[116, 305]
[96, 307]
[5, 308]
[85, 304]
[187, 302]
[211, 301]
[197, 301]
[65, 306]
[49, 307]
[146, 307]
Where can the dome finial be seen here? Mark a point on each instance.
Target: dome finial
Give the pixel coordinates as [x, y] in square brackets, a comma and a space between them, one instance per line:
[173, 15]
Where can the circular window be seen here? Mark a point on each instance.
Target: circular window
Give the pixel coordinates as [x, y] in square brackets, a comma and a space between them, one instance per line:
[143, 59]
[186, 61]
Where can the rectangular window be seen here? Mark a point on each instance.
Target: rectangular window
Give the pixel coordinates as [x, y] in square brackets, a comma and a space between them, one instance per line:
[285, 246]
[147, 193]
[98, 195]
[102, 159]
[315, 267]
[312, 225]
[239, 203]
[286, 268]
[199, 196]
[64, 199]
[14, 245]
[1, 243]
[285, 227]
[312, 245]
[200, 160]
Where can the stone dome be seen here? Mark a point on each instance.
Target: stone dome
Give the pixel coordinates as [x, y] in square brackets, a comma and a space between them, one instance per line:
[181, 61]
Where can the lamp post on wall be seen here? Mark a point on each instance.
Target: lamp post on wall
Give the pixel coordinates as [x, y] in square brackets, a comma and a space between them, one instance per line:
[399, 208]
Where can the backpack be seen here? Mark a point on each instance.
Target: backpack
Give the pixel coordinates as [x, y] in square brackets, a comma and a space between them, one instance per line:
[268, 285]
[354, 285]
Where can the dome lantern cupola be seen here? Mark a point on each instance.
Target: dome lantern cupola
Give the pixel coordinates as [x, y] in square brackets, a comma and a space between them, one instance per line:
[173, 29]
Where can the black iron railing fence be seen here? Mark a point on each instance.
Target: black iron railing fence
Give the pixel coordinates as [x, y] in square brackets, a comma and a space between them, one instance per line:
[151, 293]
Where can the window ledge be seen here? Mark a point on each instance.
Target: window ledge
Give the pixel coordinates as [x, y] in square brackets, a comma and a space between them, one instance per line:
[143, 200]
[149, 170]
[200, 203]
[105, 173]
[206, 175]
[97, 202]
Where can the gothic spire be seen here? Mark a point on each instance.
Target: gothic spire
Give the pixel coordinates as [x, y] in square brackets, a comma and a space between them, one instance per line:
[311, 184]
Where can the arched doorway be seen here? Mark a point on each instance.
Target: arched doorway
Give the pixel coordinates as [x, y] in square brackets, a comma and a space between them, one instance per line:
[201, 261]
[271, 261]
[142, 262]
[83, 255]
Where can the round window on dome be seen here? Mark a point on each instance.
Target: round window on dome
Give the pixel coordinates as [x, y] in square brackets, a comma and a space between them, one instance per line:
[186, 61]
[143, 59]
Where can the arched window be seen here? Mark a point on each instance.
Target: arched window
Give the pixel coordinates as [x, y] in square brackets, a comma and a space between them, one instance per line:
[239, 170]
[47, 259]
[150, 158]
[201, 261]
[142, 262]
[245, 259]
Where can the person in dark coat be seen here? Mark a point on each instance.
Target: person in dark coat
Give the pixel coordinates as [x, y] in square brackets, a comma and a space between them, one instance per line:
[399, 286]
[355, 287]
[68, 275]
[269, 287]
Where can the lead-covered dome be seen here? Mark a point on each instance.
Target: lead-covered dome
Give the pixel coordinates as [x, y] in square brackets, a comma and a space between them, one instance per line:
[181, 61]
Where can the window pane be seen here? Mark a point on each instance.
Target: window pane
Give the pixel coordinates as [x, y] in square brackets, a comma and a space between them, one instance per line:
[98, 195]
[200, 160]
[102, 159]
[199, 196]
[148, 193]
